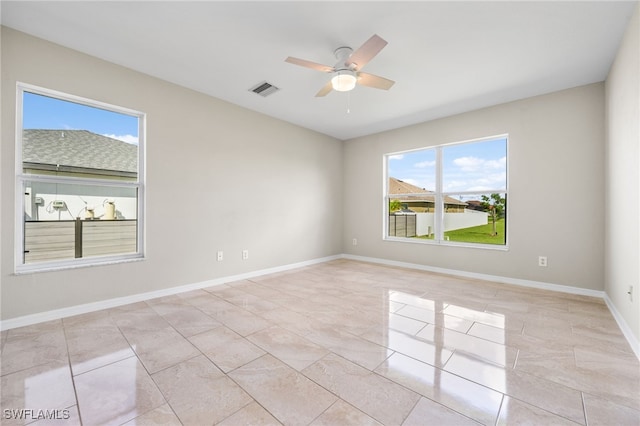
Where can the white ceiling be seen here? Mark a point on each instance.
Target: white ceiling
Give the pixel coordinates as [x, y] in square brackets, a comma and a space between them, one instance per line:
[446, 57]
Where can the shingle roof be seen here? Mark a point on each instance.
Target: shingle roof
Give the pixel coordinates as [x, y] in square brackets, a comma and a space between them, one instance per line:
[78, 148]
[399, 188]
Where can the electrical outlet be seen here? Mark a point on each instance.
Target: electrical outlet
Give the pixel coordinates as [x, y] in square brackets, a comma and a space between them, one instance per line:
[245, 254]
[542, 261]
[355, 241]
[220, 256]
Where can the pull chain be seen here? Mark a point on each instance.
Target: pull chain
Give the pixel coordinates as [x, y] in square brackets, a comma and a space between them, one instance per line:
[348, 102]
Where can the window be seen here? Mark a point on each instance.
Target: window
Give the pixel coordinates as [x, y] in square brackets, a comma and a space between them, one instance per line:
[79, 177]
[449, 194]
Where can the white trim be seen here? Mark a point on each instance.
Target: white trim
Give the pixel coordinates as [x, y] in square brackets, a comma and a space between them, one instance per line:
[20, 179]
[439, 193]
[485, 277]
[624, 327]
[119, 301]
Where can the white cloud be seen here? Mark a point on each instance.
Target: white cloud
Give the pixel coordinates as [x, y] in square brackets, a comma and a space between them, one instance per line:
[424, 164]
[496, 164]
[396, 157]
[125, 138]
[469, 164]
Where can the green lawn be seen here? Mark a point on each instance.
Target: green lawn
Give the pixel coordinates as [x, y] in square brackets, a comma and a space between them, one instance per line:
[477, 234]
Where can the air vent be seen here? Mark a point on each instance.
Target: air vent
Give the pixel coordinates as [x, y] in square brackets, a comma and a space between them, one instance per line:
[264, 89]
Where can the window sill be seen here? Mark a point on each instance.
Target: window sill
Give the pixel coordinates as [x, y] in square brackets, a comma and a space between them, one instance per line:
[447, 243]
[75, 264]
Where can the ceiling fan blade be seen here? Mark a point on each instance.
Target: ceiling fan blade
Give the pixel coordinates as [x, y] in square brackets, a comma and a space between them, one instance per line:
[325, 90]
[309, 64]
[366, 52]
[374, 81]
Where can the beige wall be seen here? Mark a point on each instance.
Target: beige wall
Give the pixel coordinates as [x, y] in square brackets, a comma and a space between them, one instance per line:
[622, 265]
[556, 149]
[219, 177]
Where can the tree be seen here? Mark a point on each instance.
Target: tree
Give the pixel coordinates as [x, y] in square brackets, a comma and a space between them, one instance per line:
[394, 206]
[495, 205]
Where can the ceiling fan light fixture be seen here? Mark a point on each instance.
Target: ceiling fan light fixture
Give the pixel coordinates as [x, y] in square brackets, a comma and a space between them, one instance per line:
[344, 80]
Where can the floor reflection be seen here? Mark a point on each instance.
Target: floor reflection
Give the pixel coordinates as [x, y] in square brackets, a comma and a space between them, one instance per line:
[432, 360]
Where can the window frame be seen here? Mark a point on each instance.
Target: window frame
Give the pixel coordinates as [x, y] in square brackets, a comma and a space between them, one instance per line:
[439, 196]
[21, 179]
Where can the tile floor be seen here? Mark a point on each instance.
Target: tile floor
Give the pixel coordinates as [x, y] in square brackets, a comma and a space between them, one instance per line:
[342, 342]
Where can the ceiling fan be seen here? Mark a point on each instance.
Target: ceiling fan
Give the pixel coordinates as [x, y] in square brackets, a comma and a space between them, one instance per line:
[347, 71]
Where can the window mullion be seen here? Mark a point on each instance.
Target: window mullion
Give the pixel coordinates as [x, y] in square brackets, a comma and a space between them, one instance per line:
[439, 205]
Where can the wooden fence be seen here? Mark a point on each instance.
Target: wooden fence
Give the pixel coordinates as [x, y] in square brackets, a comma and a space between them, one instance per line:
[69, 239]
[402, 225]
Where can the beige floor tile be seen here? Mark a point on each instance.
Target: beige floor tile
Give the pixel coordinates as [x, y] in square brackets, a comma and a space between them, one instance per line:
[359, 350]
[396, 322]
[165, 353]
[428, 412]
[47, 327]
[226, 348]
[515, 412]
[487, 318]
[161, 416]
[97, 319]
[43, 387]
[29, 347]
[468, 398]
[559, 366]
[288, 347]
[412, 300]
[412, 346]
[439, 318]
[542, 393]
[604, 412]
[481, 348]
[116, 393]
[378, 397]
[292, 321]
[564, 349]
[185, 318]
[250, 415]
[488, 332]
[284, 392]
[199, 393]
[239, 320]
[342, 413]
[95, 347]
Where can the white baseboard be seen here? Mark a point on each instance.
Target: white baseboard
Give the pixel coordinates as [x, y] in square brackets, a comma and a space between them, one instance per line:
[624, 327]
[485, 277]
[119, 301]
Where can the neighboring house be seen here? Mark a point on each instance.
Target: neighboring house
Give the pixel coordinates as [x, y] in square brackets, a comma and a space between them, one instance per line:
[416, 217]
[475, 205]
[70, 152]
[420, 200]
[78, 153]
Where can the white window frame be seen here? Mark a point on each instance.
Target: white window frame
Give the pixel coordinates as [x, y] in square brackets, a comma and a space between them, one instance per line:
[21, 178]
[439, 196]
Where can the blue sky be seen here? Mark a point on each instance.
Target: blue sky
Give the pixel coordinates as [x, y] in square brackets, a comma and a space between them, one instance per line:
[476, 166]
[42, 112]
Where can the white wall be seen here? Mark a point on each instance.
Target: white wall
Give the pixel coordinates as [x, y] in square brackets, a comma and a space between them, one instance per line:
[622, 262]
[556, 187]
[241, 180]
